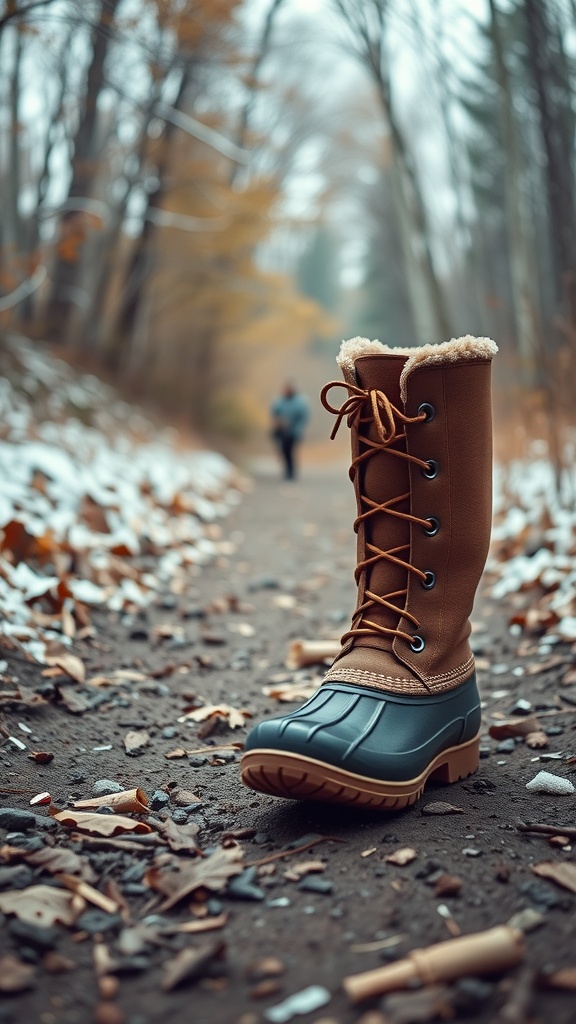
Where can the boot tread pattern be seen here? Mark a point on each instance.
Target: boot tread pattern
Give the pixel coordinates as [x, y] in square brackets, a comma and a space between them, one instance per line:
[279, 773]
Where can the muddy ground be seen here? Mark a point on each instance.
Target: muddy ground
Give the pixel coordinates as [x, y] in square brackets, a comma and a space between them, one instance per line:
[295, 540]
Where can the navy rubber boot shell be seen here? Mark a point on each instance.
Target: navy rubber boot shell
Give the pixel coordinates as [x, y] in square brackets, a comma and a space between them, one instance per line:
[356, 745]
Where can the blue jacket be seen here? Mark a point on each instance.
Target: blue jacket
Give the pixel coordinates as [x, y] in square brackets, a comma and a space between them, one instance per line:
[290, 414]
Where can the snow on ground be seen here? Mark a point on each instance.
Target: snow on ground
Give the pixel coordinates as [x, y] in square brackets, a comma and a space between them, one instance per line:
[97, 507]
[534, 542]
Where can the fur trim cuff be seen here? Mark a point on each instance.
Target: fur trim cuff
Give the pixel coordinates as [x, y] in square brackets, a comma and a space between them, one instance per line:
[467, 347]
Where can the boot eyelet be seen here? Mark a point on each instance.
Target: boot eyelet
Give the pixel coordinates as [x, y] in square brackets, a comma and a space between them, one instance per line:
[430, 580]
[418, 644]
[434, 526]
[432, 469]
[429, 411]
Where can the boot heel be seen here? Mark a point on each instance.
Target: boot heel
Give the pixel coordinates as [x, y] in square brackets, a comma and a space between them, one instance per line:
[458, 763]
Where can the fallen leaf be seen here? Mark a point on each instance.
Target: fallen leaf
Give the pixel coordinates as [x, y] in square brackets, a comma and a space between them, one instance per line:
[183, 798]
[129, 800]
[100, 824]
[180, 837]
[41, 756]
[43, 905]
[401, 857]
[52, 859]
[234, 717]
[297, 871]
[15, 975]
[88, 893]
[515, 727]
[212, 873]
[74, 702]
[287, 692]
[563, 874]
[135, 741]
[536, 740]
[440, 807]
[184, 752]
[209, 924]
[70, 664]
[189, 964]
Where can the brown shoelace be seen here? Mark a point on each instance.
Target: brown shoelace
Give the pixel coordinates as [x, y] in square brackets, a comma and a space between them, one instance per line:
[367, 406]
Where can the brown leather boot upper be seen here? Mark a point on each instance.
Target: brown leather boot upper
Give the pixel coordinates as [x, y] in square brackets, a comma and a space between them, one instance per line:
[422, 469]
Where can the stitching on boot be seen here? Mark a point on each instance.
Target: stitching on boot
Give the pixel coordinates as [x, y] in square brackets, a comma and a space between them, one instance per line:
[444, 681]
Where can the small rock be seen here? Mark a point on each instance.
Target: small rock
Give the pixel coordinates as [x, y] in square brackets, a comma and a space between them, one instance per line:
[135, 872]
[193, 611]
[242, 887]
[34, 934]
[506, 746]
[261, 838]
[16, 876]
[93, 921]
[265, 989]
[159, 799]
[180, 816]
[546, 782]
[484, 752]
[197, 761]
[542, 895]
[470, 851]
[521, 707]
[306, 1001]
[469, 995]
[104, 787]
[29, 843]
[19, 821]
[169, 732]
[314, 884]
[440, 807]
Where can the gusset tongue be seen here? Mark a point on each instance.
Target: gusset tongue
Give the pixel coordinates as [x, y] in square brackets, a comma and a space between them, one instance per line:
[382, 477]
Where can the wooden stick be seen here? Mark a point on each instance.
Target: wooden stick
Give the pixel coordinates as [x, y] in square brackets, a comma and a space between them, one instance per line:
[302, 653]
[547, 830]
[482, 953]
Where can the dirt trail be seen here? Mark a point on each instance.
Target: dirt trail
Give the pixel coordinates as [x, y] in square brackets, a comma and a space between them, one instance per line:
[292, 564]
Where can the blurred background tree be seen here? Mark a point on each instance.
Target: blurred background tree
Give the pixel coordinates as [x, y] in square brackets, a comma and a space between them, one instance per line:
[199, 197]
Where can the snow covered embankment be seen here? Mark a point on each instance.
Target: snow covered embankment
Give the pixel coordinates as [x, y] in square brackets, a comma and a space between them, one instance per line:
[104, 514]
[534, 544]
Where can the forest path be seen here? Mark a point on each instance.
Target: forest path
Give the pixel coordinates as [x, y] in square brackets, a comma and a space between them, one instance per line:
[288, 574]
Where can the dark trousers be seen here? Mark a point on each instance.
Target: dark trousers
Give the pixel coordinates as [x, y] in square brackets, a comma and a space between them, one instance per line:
[287, 446]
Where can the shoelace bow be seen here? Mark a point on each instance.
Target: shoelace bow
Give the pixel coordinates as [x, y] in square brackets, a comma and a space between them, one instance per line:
[374, 406]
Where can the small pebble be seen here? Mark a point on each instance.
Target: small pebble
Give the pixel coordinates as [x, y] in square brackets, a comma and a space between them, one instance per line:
[470, 851]
[104, 787]
[527, 920]
[506, 746]
[546, 782]
[159, 799]
[314, 884]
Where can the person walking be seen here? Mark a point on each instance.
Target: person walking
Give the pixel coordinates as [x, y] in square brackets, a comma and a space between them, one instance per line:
[289, 414]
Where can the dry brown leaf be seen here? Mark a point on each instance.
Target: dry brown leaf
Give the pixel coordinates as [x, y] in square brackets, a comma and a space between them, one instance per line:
[212, 873]
[563, 874]
[100, 824]
[88, 893]
[515, 727]
[43, 905]
[189, 964]
[53, 859]
[401, 857]
[70, 664]
[76, 703]
[135, 741]
[180, 837]
[307, 867]
[184, 752]
[129, 800]
[536, 740]
[41, 756]
[288, 692]
[15, 975]
[234, 717]
[208, 924]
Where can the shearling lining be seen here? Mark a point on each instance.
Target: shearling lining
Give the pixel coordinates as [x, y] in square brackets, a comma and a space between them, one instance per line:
[467, 347]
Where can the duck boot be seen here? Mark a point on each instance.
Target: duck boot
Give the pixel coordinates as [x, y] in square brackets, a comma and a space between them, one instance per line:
[400, 704]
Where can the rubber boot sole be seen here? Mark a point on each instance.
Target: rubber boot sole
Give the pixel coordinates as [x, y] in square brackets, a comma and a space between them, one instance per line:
[296, 777]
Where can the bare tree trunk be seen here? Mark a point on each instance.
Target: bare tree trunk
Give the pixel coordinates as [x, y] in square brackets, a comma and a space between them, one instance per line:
[259, 59]
[368, 21]
[66, 271]
[517, 220]
[11, 229]
[559, 153]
